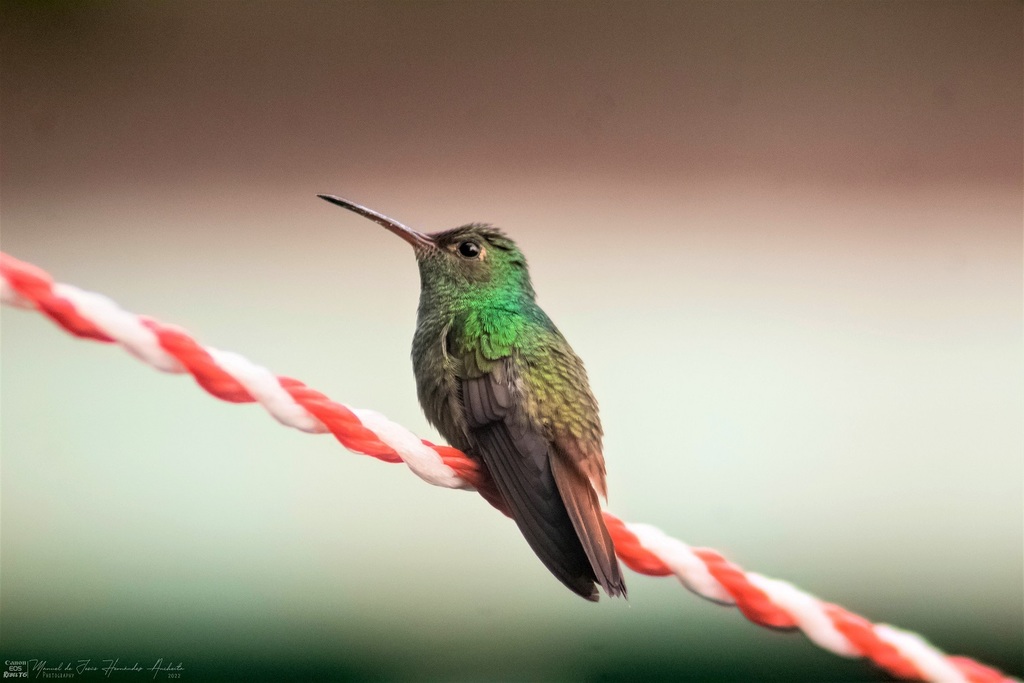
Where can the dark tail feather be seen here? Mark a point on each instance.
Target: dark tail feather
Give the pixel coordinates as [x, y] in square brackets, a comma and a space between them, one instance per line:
[585, 512]
[520, 469]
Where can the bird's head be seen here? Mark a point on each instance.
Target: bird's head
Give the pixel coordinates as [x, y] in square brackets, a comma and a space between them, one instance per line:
[471, 262]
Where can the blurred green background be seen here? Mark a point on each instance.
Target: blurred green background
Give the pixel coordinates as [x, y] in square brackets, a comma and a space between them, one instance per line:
[785, 237]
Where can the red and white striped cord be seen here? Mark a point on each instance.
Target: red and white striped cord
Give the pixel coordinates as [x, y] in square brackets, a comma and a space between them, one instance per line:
[643, 548]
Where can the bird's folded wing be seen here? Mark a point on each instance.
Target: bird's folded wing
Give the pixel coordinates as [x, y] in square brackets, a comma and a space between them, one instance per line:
[518, 458]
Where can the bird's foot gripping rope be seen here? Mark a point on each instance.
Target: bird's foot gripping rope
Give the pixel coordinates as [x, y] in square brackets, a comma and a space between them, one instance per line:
[643, 548]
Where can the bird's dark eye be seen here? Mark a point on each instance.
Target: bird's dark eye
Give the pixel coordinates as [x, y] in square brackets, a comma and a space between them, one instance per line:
[469, 249]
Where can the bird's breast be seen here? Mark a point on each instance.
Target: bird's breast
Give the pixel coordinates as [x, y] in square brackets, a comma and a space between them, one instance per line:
[437, 379]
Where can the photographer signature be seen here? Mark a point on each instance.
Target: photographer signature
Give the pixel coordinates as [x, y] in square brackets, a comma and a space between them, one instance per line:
[41, 668]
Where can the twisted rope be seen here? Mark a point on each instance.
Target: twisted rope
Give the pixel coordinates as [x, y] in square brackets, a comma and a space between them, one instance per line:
[643, 548]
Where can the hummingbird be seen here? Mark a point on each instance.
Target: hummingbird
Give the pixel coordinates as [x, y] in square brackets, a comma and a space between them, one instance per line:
[499, 381]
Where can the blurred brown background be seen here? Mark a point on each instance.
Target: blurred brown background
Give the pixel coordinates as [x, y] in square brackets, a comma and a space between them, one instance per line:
[785, 237]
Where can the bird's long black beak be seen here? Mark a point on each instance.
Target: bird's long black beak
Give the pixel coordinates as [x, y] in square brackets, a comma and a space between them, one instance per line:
[418, 240]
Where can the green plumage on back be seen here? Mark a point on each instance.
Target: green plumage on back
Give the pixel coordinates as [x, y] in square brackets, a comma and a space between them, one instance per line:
[500, 382]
